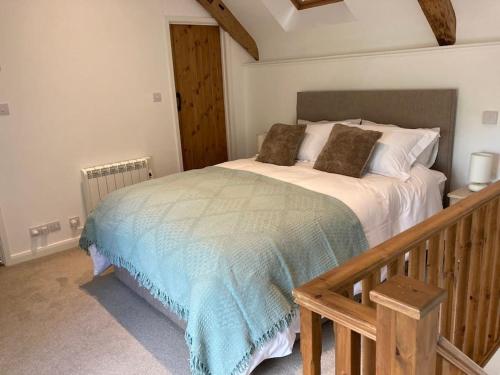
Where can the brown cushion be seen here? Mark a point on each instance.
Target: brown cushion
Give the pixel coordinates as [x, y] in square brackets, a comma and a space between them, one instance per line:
[281, 145]
[347, 151]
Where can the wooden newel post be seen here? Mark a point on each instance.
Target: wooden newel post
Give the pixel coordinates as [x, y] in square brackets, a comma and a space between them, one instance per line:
[407, 326]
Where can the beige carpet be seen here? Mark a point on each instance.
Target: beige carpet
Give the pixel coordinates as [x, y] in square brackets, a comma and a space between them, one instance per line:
[56, 319]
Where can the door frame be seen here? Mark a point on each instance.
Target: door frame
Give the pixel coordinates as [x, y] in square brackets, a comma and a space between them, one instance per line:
[226, 63]
[5, 254]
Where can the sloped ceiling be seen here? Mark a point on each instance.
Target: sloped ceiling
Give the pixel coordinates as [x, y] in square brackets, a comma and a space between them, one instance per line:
[359, 26]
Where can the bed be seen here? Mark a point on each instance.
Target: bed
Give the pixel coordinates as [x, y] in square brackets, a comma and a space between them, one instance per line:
[384, 206]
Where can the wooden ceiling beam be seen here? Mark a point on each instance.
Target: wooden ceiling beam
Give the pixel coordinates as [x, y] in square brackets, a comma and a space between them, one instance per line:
[231, 25]
[441, 16]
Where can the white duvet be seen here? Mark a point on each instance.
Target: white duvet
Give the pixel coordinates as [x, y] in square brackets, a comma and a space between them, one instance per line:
[385, 207]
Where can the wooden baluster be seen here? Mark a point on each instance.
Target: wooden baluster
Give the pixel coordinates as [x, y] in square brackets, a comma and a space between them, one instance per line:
[492, 320]
[310, 341]
[397, 267]
[448, 280]
[350, 292]
[368, 346]
[439, 274]
[435, 256]
[440, 366]
[485, 281]
[435, 273]
[417, 262]
[347, 347]
[478, 241]
[407, 326]
[448, 369]
[497, 328]
[461, 272]
[413, 263]
[392, 269]
[422, 261]
[402, 264]
[347, 351]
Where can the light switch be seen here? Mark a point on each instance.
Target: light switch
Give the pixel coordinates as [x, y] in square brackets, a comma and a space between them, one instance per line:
[157, 97]
[4, 109]
[490, 117]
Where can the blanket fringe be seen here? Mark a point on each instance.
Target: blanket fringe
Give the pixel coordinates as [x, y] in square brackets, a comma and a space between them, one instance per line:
[84, 243]
[197, 366]
[282, 324]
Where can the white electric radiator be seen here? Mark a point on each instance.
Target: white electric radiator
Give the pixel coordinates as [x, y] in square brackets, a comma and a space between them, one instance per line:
[99, 181]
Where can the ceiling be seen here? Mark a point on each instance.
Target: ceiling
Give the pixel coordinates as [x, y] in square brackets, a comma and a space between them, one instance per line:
[282, 31]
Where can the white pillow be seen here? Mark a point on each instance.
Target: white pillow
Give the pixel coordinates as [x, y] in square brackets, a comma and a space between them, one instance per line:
[398, 149]
[316, 137]
[368, 122]
[428, 156]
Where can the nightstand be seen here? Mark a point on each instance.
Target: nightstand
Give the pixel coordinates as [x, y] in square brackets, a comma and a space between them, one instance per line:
[459, 194]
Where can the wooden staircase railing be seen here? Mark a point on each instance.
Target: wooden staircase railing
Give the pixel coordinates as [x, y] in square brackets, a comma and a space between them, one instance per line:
[456, 252]
[453, 356]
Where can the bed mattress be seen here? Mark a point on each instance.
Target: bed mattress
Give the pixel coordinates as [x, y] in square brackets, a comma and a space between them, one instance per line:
[385, 207]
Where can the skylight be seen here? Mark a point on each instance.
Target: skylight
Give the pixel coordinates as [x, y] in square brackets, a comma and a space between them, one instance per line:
[305, 4]
[291, 19]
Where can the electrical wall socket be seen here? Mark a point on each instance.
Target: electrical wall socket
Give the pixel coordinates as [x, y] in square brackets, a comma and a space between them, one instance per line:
[74, 222]
[45, 229]
[54, 227]
[157, 97]
[490, 117]
[4, 109]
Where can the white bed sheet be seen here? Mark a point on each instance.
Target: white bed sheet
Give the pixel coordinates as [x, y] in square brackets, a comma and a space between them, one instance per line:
[385, 207]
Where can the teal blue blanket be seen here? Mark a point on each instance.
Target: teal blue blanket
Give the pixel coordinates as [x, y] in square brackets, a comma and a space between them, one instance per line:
[223, 249]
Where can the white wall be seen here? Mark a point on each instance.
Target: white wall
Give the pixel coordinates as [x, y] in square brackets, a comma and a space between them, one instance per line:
[474, 70]
[79, 76]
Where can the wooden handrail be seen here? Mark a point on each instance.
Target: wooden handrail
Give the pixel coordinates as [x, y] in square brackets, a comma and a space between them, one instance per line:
[357, 268]
[457, 251]
[350, 314]
[362, 319]
[457, 358]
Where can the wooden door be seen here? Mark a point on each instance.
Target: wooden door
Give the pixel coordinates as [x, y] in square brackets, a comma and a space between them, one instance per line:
[197, 60]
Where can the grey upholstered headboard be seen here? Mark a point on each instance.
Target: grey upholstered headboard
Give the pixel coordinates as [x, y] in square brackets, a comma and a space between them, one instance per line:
[406, 108]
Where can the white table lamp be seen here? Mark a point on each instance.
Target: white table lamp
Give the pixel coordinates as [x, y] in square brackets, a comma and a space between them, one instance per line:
[481, 165]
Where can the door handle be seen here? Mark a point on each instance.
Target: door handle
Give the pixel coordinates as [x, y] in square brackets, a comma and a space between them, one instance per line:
[179, 101]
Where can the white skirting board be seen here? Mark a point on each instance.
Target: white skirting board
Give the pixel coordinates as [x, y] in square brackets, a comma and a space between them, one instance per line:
[27, 255]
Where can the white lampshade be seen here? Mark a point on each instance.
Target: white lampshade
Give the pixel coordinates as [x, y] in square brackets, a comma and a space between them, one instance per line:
[260, 141]
[481, 165]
